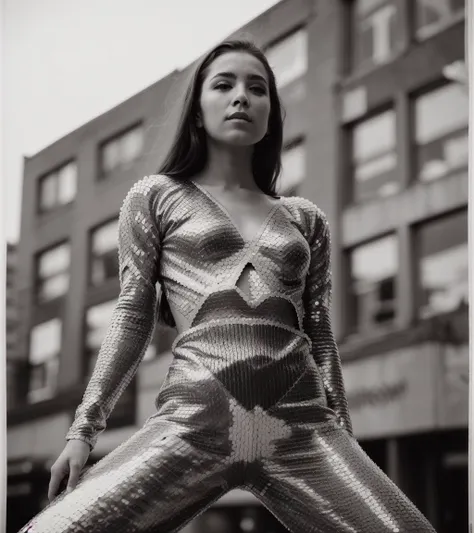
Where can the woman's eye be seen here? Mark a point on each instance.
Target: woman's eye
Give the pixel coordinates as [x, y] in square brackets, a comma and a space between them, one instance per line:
[259, 90]
[222, 86]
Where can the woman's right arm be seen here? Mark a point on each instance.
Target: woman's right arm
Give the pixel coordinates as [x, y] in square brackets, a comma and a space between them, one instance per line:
[133, 319]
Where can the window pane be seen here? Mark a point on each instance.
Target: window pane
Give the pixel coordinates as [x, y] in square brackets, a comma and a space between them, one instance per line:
[67, 183]
[43, 380]
[131, 145]
[443, 265]
[374, 158]
[376, 167]
[104, 268]
[376, 32]
[45, 341]
[53, 287]
[440, 112]
[48, 192]
[289, 58]
[38, 377]
[373, 287]
[53, 261]
[53, 273]
[104, 253]
[432, 14]
[441, 119]
[293, 169]
[122, 149]
[110, 156]
[374, 136]
[105, 238]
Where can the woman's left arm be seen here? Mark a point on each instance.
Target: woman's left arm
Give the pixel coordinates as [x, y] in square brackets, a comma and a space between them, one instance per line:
[317, 319]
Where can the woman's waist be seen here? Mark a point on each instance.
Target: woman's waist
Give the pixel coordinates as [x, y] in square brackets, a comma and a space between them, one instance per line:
[234, 306]
[242, 335]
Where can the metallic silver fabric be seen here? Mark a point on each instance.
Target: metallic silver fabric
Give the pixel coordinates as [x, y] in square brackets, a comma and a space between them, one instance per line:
[254, 397]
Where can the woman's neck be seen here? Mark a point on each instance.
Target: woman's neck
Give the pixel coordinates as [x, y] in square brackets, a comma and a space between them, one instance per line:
[228, 169]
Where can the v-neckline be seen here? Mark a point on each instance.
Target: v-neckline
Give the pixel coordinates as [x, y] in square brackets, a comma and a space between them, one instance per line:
[229, 218]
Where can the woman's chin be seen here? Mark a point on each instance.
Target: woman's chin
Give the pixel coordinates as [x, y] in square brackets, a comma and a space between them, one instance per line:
[239, 138]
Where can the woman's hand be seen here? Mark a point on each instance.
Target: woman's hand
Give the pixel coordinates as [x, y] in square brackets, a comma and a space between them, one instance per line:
[69, 463]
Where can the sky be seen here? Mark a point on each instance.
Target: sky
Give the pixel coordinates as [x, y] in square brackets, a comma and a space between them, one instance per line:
[68, 61]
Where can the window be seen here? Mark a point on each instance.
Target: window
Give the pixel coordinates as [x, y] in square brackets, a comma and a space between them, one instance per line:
[121, 150]
[289, 57]
[374, 157]
[373, 269]
[98, 319]
[443, 268]
[58, 188]
[104, 255]
[375, 31]
[45, 345]
[433, 15]
[293, 169]
[441, 125]
[53, 273]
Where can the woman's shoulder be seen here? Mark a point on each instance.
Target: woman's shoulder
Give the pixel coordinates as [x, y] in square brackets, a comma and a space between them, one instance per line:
[149, 185]
[148, 190]
[307, 211]
[144, 199]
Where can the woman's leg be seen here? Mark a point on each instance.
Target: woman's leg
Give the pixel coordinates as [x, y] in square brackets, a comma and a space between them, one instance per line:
[321, 481]
[156, 481]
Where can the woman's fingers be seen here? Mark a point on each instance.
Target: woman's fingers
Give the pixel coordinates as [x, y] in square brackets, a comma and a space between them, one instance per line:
[69, 463]
[74, 472]
[57, 475]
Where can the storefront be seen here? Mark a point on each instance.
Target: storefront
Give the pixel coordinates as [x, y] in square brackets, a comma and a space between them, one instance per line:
[409, 409]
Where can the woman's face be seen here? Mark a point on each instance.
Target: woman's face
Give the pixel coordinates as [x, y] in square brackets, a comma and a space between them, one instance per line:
[235, 82]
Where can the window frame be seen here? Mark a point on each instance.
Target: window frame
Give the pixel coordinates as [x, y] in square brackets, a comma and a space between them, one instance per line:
[92, 257]
[418, 258]
[278, 42]
[117, 137]
[38, 280]
[351, 326]
[54, 175]
[350, 196]
[52, 366]
[413, 98]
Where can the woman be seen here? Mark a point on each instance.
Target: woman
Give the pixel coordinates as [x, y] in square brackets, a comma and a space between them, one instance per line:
[254, 397]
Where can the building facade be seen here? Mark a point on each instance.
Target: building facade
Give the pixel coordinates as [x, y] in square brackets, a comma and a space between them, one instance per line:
[363, 83]
[11, 308]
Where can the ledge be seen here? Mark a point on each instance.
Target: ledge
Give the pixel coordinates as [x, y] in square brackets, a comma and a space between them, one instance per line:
[450, 328]
[63, 401]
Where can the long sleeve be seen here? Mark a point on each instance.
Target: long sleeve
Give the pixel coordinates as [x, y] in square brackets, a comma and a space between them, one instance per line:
[317, 319]
[133, 319]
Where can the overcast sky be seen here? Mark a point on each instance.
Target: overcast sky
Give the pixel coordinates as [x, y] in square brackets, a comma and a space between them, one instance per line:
[67, 61]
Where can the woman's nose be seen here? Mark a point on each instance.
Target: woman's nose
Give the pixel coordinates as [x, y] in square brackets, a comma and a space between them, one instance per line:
[241, 97]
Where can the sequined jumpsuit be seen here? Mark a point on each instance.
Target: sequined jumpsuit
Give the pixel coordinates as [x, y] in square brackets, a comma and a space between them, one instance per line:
[254, 397]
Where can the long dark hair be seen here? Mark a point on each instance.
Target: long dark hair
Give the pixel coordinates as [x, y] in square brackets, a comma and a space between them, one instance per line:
[188, 153]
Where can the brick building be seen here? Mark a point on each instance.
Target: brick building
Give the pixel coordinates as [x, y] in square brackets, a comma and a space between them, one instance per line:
[363, 83]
